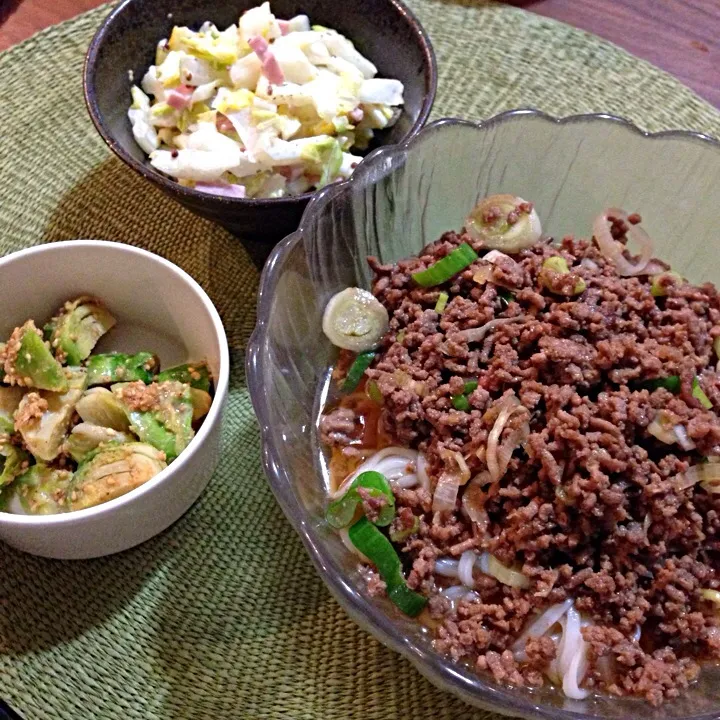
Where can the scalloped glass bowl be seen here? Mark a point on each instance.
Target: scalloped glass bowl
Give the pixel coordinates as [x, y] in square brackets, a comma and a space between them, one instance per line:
[400, 199]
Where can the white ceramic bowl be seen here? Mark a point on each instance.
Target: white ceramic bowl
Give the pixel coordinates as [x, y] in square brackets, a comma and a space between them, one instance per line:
[159, 307]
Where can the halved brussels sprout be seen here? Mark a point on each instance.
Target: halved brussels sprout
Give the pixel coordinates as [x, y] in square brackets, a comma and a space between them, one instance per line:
[98, 406]
[10, 398]
[201, 402]
[43, 418]
[118, 367]
[110, 472]
[196, 375]
[160, 414]
[41, 490]
[84, 438]
[13, 462]
[77, 327]
[28, 361]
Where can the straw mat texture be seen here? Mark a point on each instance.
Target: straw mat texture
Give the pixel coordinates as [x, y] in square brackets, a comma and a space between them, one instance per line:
[222, 616]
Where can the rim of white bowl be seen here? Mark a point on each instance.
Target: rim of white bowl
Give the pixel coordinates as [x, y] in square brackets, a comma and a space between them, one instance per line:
[221, 385]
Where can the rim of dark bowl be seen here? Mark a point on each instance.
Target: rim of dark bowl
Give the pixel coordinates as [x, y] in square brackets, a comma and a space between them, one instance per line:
[169, 184]
[368, 615]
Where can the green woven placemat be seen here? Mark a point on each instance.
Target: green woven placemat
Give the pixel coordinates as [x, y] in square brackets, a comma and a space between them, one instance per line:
[223, 616]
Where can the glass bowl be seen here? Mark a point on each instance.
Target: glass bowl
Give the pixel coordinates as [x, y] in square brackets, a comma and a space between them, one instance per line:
[399, 200]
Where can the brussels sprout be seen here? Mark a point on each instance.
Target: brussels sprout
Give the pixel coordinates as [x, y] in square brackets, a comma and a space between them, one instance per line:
[28, 361]
[196, 375]
[98, 406]
[10, 398]
[43, 418]
[160, 414]
[118, 367]
[41, 490]
[201, 402]
[77, 327]
[112, 471]
[84, 438]
[13, 462]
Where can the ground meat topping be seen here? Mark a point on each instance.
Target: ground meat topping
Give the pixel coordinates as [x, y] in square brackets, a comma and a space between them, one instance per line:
[587, 505]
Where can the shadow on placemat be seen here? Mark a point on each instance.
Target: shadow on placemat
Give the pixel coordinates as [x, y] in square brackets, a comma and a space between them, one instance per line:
[75, 596]
[112, 203]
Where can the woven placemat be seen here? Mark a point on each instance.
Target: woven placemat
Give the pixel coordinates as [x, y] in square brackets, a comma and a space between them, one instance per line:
[223, 616]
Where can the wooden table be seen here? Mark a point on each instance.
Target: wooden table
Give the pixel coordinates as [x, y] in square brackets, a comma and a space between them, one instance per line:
[680, 36]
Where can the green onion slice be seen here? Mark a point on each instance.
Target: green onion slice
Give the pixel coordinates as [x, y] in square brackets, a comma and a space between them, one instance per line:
[460, 402]
[699, 394]
[340, 512]
[671, 383]
[444, 269]
[399, 536]
[506, 297]
[379, 550]
[470, 386]
[357, 370]
[441, 302]
[373, 392]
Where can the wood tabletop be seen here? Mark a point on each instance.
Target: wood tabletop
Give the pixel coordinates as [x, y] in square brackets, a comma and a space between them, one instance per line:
[680, 36]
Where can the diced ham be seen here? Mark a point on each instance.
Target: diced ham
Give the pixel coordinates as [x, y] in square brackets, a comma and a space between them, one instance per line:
[219, 188]
[356, 115]
[223, 124]
[284, 26]
[270, 66]
[180, 97]
[290, 172]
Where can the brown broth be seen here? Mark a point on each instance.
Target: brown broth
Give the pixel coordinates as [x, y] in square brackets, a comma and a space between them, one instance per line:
[371, 436]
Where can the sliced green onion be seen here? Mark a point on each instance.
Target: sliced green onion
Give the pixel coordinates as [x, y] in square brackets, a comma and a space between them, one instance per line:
[470, 386]
[441, 302]
[400, 337]
[341, 512]
[444, 269]
[671, 383]
[559, 266]
[506, 297]
[659, 283]
[504, 222]
[711, 595]
[699, 394]
[357, 370]
[373, 392]
[399, 536]
[460, 402]
[379, 550]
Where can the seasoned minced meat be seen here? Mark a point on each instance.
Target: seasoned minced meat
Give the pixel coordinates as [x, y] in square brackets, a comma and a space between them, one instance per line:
[588, 507]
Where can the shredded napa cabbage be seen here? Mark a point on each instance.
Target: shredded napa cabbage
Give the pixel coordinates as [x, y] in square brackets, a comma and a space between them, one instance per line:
[265, 108]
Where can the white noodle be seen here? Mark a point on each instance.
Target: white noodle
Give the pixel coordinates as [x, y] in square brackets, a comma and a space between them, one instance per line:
[540, 625]
[422, 475]
[456, 593]
[570, 639]
[572, 656]
[575, 673]
[399, 465]
[446, 567]
[465, 568]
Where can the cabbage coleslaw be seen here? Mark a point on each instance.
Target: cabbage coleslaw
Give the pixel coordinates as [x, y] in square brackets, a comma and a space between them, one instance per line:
[266, 108]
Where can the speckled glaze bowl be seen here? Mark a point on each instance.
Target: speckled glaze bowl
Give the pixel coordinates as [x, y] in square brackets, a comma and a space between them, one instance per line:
[401, 199]
[385, 31]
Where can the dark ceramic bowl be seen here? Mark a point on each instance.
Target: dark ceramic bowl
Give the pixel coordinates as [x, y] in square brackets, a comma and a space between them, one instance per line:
[385, 31]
